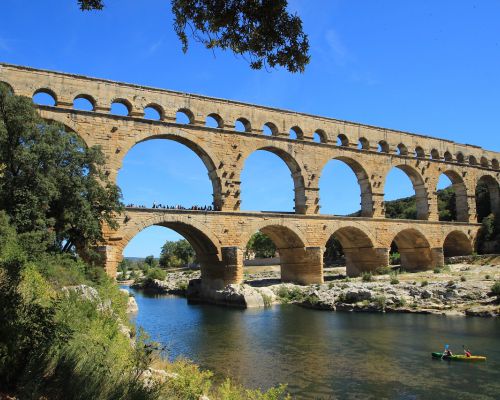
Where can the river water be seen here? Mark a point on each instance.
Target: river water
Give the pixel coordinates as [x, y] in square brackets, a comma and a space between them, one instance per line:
[323, 355]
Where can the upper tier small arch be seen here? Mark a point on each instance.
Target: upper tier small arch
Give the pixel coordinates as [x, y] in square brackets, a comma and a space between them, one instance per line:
[45, 97]
[84, 102]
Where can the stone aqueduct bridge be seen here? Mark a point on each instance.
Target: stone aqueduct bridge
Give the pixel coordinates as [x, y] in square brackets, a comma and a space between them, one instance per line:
[219, 237]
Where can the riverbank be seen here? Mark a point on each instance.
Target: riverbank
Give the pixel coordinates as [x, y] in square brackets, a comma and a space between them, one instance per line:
[463, 288]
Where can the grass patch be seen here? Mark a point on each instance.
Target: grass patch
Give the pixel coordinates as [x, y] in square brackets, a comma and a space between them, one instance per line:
[367, 277]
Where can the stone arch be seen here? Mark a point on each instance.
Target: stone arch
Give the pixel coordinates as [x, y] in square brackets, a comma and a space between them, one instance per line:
[360, 254]
[295, 171]
[484, 162]
[124, 102]
[402, 149]
[218, 120]
[8, 86]
[204, 243]
[321, 134]
[383, 147]
[435, 154]
[342, 140]
[419, 152]
[472, 160]
[297, 131]
[207, 159]
[47, 91]
[156, 107]
[365, 187]
[457, 243]
[87, 97]
[247, 127]
[460, 157]
[363, 144]
[447, 156]
[68, 124]
[188, 113]
[414, 249]
[460, 189]
[419, 188]
[495, 164]
[282, 234]
[299, 264]
[493, 192]
[273, 129]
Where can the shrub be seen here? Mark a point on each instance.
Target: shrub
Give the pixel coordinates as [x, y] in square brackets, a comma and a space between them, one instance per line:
[288, 295]
[267, 300]
[380, 302]
[183, 285]
[495, 289]
[394, 279]
[401, 302]
[395, 258]
[367, 277]
[463, 278]
[383, 270]
[156, 273]
[424, 283]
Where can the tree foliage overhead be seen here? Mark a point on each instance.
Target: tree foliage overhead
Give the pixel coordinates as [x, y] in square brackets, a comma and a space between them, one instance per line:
[52, 186]
[261, 30]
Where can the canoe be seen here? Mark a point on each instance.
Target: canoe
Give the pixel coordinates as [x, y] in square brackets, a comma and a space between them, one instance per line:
[459, 357]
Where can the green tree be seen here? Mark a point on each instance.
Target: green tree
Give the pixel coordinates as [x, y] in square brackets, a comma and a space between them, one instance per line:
[262, 31]
[53, 187]
[177, 253]
[261, 245]
[151, 261]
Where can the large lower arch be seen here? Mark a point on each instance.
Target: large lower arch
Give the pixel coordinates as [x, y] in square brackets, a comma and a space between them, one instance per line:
[366, 201]
[457, 243]
[359, 251]
[421, 196]
[487, 196]
[296, 174]
[207, 160]
[414, 249]
[205, 244]
[460, 190]
[299, 263]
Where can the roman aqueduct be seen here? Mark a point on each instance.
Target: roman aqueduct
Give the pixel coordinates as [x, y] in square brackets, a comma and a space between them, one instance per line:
[219, 237]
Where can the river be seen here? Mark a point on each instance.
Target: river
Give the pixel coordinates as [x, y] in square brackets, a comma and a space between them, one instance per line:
[323, 355]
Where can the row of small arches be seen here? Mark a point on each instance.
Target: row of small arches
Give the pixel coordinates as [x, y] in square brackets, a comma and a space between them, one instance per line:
[152, 111]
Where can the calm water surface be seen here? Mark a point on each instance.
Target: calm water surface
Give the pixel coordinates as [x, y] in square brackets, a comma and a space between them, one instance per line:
[323, 355]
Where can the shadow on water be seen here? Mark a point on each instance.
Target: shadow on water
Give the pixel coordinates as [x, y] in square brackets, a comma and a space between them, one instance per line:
[323, 355]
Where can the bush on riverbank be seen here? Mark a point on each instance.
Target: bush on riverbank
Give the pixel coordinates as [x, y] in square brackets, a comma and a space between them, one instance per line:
[65, 335]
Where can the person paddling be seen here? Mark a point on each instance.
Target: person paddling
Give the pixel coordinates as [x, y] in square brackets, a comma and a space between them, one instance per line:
[447, 352]
[467, 352]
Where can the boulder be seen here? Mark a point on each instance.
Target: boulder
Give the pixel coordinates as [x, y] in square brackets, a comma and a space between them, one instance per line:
[357, 295]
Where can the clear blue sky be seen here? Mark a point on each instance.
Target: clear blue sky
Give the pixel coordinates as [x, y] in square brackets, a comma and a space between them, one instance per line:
[424, 66]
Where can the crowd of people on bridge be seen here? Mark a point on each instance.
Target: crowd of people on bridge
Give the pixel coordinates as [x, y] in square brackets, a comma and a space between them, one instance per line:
[176, 207]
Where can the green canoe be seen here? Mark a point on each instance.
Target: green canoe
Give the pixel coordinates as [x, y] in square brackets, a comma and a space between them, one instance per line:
[459, 357]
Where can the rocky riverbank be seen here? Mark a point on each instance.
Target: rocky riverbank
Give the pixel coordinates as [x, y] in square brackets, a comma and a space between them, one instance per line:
[457, 289]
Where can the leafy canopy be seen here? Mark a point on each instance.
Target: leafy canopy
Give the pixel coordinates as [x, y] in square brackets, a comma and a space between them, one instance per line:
[261, 245]
[177, 253]
[262, 30]
[52, 186]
